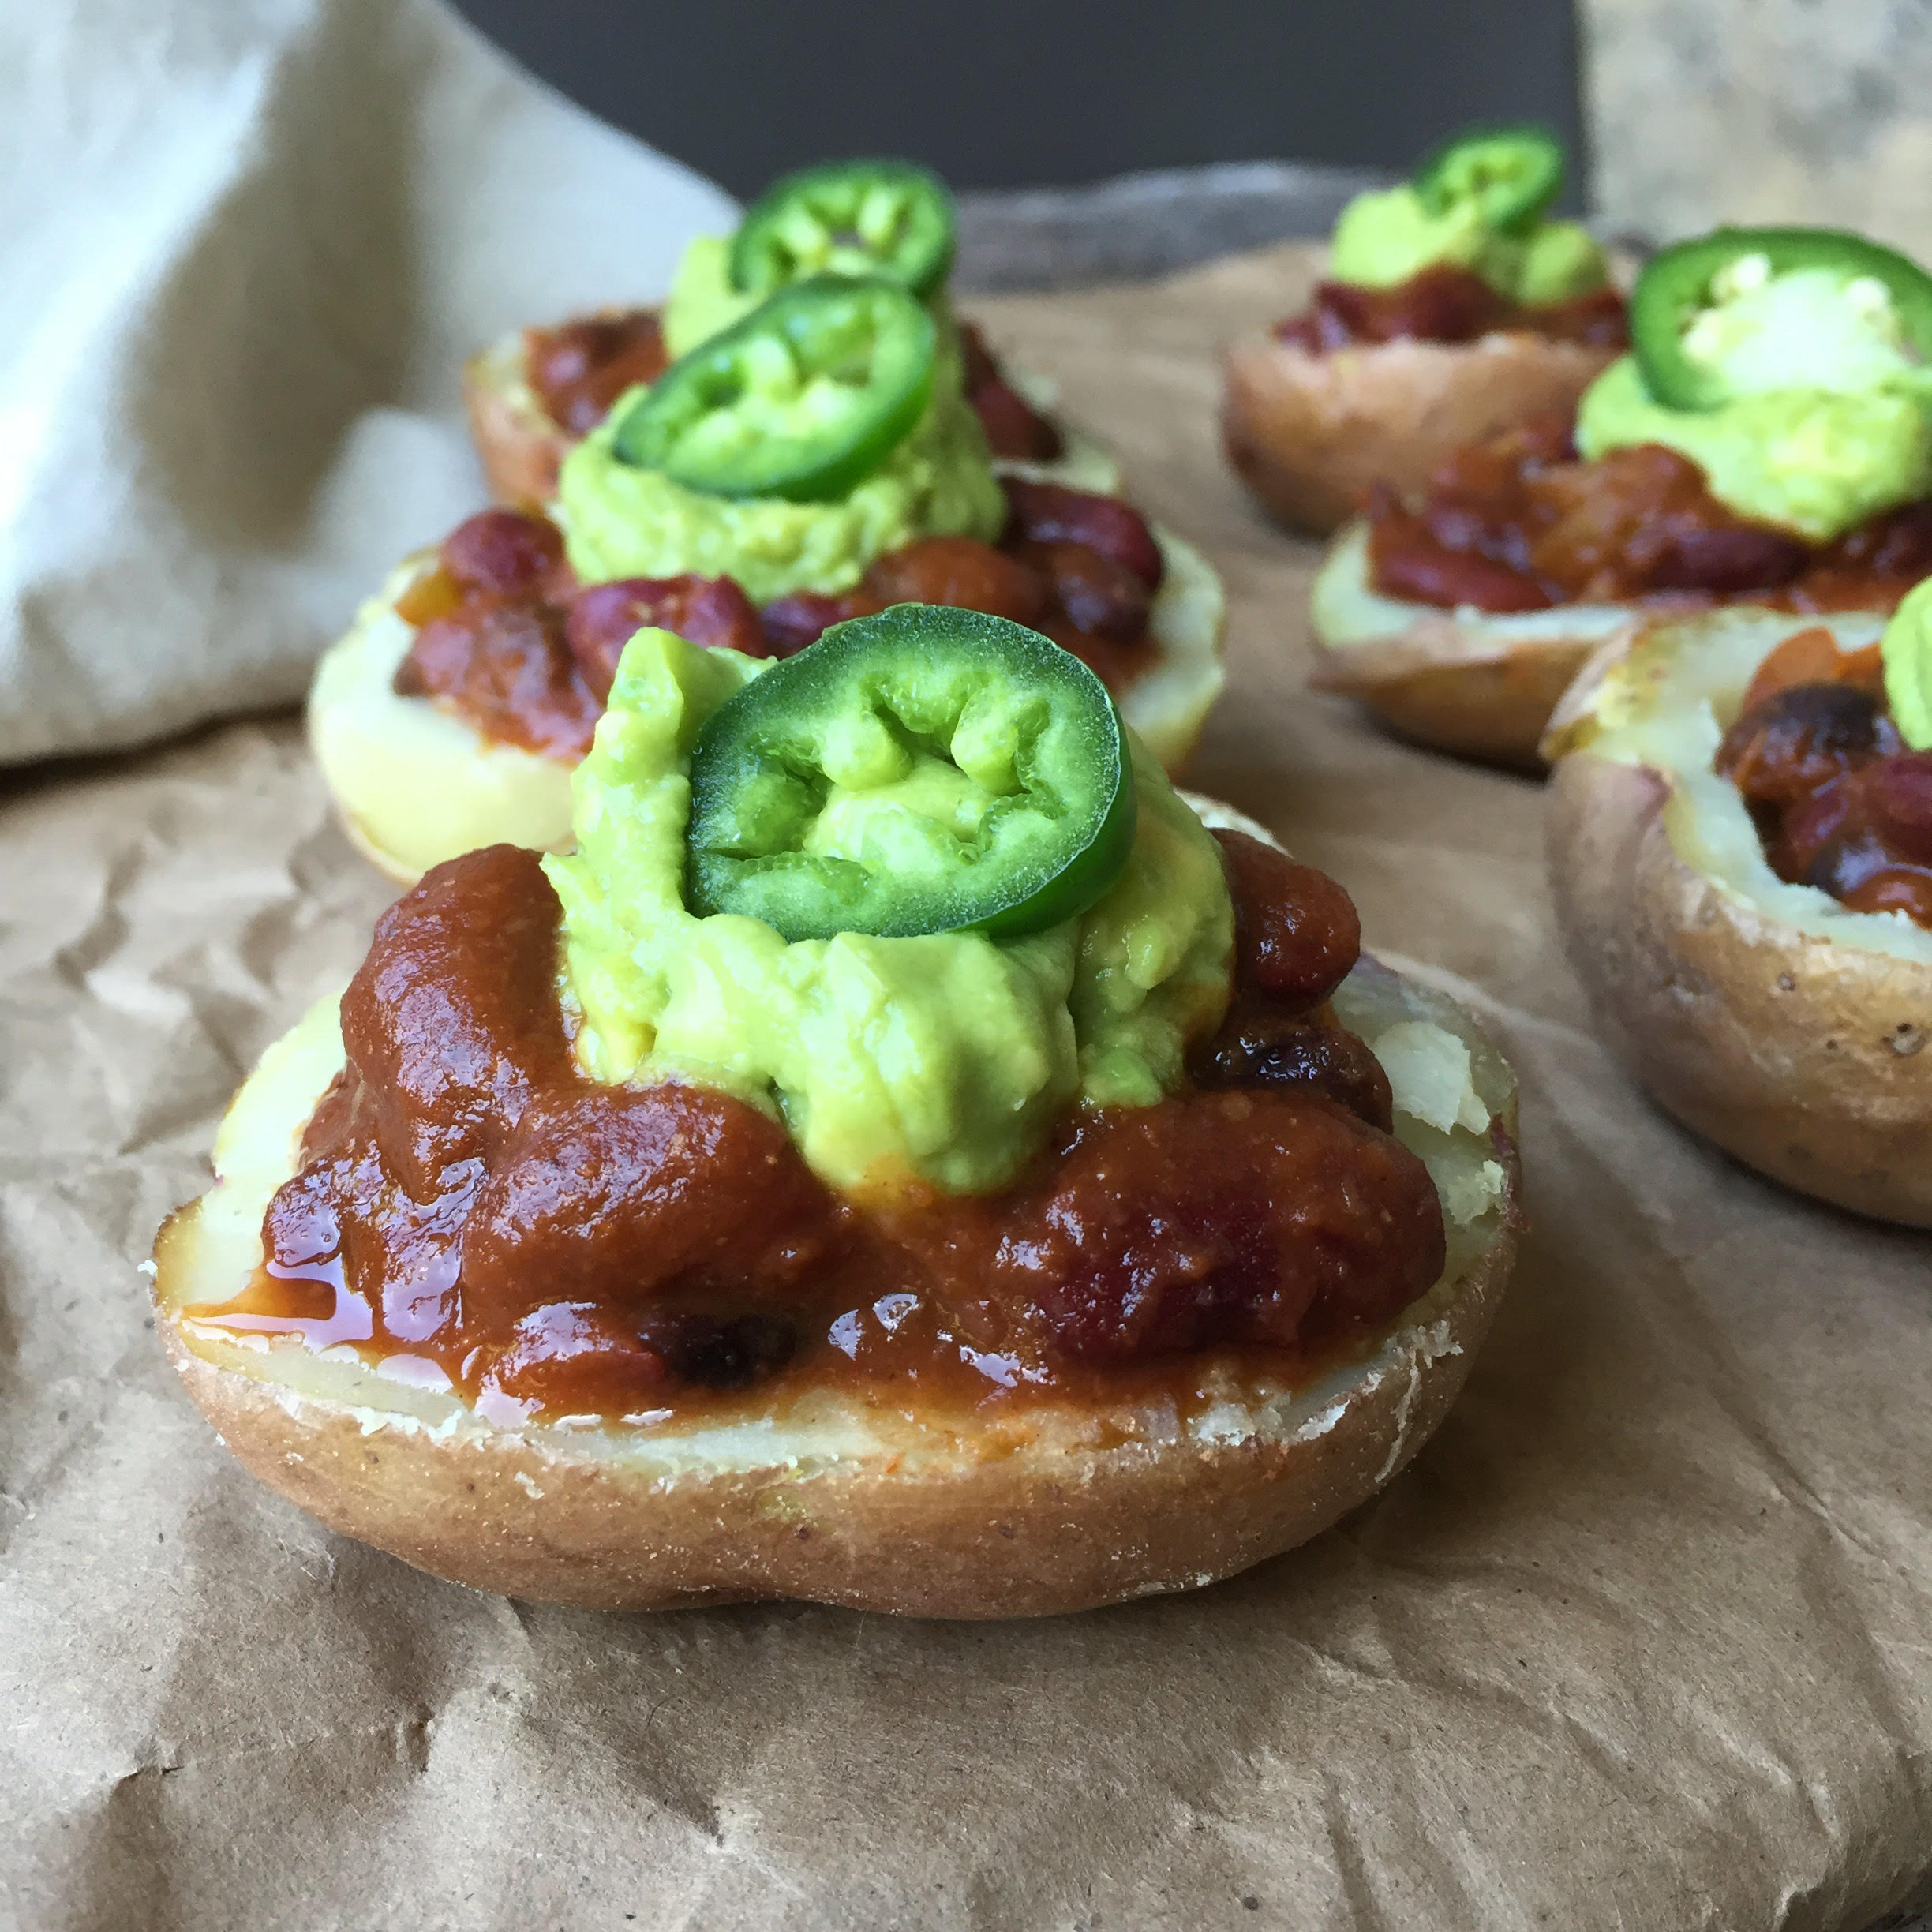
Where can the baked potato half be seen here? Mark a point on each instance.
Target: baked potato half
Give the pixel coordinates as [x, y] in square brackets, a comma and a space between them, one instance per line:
[1310, 435]
[1479, 683]
[1777, 1023]
[925, 1510]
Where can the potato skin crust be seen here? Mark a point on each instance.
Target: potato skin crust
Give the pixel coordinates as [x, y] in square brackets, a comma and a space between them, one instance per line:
[1310, 435]
[1803, 1058]
[520, 447]
[1036, 1532]
[960, 1518]
[1447, 683]
[1462, 681]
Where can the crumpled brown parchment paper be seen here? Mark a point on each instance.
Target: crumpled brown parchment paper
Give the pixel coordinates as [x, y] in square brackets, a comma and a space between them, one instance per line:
[1643, 1639]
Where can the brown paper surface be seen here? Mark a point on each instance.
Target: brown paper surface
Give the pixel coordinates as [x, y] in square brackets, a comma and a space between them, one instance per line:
[1643, 1639]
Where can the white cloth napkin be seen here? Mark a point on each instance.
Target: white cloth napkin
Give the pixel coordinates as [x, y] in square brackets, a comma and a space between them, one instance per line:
[245, 247]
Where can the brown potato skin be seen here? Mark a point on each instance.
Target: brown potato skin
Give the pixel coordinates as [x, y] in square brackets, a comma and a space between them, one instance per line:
[520, 447]
[1310, 435]
[1001, 1522]
[1445, 682]
[1804, 1059]
[990, 1534]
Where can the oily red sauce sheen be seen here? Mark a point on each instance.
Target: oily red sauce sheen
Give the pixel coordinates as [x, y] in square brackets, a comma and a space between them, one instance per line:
[467, 1199]
[1839, 803]
[1518, 522]
[508, 639]
[1446, 305]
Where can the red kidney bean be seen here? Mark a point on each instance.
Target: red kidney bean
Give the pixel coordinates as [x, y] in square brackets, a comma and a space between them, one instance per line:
[1297, 933]
[1423, 572]
[1099, 596]
[792, 623]
[712, 611]
[1787, 745]
[1724, 562]
[503, 553]
[1013, 427]
[1899, 793]
[961, 572]
[1049, 513]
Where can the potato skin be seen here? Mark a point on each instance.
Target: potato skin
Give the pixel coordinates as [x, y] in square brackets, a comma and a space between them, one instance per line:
[1447, 683]
[1804, 1059]
[950, 1516]
[1481, 687]
[1310, 435]
[520, 447]
[1052, 1527]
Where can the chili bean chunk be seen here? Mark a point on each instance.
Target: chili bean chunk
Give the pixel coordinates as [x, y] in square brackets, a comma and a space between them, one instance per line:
[1297, 936]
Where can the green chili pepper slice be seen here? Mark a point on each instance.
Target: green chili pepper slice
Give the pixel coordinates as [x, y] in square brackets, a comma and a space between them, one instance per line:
[882, 217]
[805, 397]
[1511, 173]
[925, 770]
[1677, 284]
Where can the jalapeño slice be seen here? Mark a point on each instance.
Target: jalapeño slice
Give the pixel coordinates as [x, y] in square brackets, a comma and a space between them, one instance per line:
[1512, 174]
[925, 770]
[805, 397]
[1677, 283]
[882, 217]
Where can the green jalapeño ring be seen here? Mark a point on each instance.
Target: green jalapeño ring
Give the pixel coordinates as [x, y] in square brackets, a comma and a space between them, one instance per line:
[925, 770]
[882, 218]
[802, 398]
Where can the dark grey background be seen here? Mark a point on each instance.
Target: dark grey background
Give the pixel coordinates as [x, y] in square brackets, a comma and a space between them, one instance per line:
[1010, 94]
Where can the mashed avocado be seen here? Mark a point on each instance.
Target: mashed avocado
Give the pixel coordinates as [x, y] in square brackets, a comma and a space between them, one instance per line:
[1814, 460]
[941, 1059]
[1385, 237]
[702, 300]
[622, 522]
[1823, 422]
[1907, 650]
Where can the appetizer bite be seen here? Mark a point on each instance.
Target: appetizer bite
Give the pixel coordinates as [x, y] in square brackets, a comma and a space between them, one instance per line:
[814, 461]
[906, 1156]
[1740, 844]
[1452, 308]
[535, 395]
[1766, 442]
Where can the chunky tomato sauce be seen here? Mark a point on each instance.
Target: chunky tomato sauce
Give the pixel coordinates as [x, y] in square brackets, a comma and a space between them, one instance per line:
[508, 639]
[1446, 305]
[1838, 800]
[1519, 523]
[579, 369]
[468, 1200]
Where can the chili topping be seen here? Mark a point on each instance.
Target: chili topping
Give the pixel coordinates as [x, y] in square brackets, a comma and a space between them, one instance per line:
[1519, 523]
[1839, 801]
[468, 1199]
[508, 639]
[1445, 304]
[579, 369]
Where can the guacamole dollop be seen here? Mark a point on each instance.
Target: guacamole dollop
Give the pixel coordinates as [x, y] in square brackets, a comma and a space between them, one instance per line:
[937, 1061]
[1385, 236]
[1825, 421]
[702, 300]
[621, 520]
[1906, 651]
[1818, 462]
